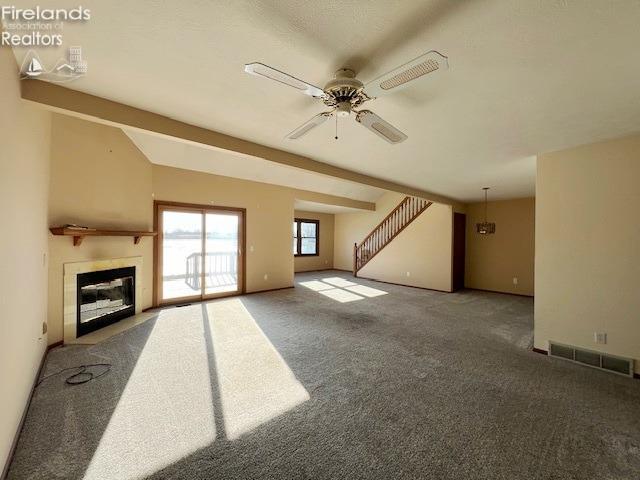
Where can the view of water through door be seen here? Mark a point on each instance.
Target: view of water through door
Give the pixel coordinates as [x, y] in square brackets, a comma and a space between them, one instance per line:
[200, 253]
[221, 253]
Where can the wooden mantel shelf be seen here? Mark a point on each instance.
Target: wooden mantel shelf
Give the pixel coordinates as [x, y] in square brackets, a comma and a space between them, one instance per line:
[78, 235]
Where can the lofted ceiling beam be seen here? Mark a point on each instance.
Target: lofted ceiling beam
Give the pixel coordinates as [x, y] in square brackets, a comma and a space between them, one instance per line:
[97, 109]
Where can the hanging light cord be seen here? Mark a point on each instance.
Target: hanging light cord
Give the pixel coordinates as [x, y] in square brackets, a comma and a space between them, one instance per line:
[485, 204]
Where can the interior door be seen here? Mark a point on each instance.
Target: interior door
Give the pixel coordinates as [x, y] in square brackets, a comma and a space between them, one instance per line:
[459, 247]
[199, 253]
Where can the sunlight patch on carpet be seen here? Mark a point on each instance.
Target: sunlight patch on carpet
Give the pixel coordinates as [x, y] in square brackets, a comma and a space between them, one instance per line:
[254, 382]
[165, 412]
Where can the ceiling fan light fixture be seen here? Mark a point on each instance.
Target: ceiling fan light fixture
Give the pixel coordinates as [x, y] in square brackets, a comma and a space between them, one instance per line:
[345, 93]
[343, 109]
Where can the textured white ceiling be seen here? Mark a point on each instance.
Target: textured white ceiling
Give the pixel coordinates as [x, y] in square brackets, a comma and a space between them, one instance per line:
[172, 153]
[526, 77]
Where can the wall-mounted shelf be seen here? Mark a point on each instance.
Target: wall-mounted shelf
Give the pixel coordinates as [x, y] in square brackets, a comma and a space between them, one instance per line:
[78, 235]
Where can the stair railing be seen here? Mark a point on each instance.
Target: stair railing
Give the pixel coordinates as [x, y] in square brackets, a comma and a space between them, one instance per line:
[400, 217]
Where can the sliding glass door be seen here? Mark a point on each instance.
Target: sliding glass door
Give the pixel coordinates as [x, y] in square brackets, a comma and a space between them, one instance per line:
[222, 250]
[199, 252]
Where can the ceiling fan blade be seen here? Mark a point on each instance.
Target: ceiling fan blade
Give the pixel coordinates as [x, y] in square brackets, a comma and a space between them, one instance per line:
[381, 128]
[262, 70]
[400, 77]
[305, 127]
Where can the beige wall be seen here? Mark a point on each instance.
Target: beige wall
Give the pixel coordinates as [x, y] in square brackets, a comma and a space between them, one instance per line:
[492, 261]
[325, 259]
[269, 218]
[588, 247]
[24, 183]
[99, 178]
[423, 249]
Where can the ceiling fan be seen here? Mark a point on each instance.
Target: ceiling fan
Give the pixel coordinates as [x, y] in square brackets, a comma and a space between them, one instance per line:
[345, 93]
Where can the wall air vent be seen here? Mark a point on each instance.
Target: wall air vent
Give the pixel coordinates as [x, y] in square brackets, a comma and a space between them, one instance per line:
[599, 360]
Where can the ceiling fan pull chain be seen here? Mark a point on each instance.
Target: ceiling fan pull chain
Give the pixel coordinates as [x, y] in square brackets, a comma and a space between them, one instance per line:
[336, 127]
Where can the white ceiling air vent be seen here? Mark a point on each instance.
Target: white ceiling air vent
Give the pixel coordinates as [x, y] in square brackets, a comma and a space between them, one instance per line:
[599, 360]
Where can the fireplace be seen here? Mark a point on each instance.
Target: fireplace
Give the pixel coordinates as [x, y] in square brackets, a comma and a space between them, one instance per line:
[104, 297]
[115, 292]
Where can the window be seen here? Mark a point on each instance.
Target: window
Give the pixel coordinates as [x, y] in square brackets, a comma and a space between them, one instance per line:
[305, 237]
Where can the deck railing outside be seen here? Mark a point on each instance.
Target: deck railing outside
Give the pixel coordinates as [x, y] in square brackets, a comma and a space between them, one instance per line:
[217, 265]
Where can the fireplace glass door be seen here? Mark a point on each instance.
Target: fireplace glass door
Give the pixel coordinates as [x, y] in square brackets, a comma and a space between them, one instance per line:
[104, 297]
[199, 253]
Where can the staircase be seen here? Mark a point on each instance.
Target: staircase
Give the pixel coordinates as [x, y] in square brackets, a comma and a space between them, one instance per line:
[399, 219]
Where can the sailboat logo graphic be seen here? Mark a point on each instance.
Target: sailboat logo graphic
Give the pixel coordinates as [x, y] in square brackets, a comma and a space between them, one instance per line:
[32, 66]
[35, 68]
[64, 70]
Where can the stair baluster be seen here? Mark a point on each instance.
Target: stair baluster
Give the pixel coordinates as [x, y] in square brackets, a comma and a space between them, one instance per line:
[399, 218]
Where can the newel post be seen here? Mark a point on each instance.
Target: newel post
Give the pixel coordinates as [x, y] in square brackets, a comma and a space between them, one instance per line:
[355, 259]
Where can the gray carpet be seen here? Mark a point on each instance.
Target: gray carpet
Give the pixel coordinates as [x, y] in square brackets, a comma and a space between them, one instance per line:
[395, 382]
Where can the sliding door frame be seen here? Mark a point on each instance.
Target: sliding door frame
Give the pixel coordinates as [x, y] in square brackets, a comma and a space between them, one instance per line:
[161, 205]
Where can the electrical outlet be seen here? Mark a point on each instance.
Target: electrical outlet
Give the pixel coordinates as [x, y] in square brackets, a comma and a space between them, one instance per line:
[408, 274]
[600, 337]
[515, 280]
[251, 248]
[326, 262]
[266, 276]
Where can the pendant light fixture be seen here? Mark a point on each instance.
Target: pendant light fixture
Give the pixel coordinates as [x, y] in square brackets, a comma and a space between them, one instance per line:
[485, 228]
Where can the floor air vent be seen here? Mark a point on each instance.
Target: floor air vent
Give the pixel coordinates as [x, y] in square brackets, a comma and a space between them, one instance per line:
[602, 361]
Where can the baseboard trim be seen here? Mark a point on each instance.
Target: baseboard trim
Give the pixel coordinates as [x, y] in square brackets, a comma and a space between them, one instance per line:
[14, 443]
[502, 293]
[270, 289]
[316, 270]
[402, 284]
[189, 302]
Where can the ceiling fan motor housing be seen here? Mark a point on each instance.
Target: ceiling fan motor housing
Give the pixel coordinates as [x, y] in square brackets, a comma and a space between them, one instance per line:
[344, 92]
